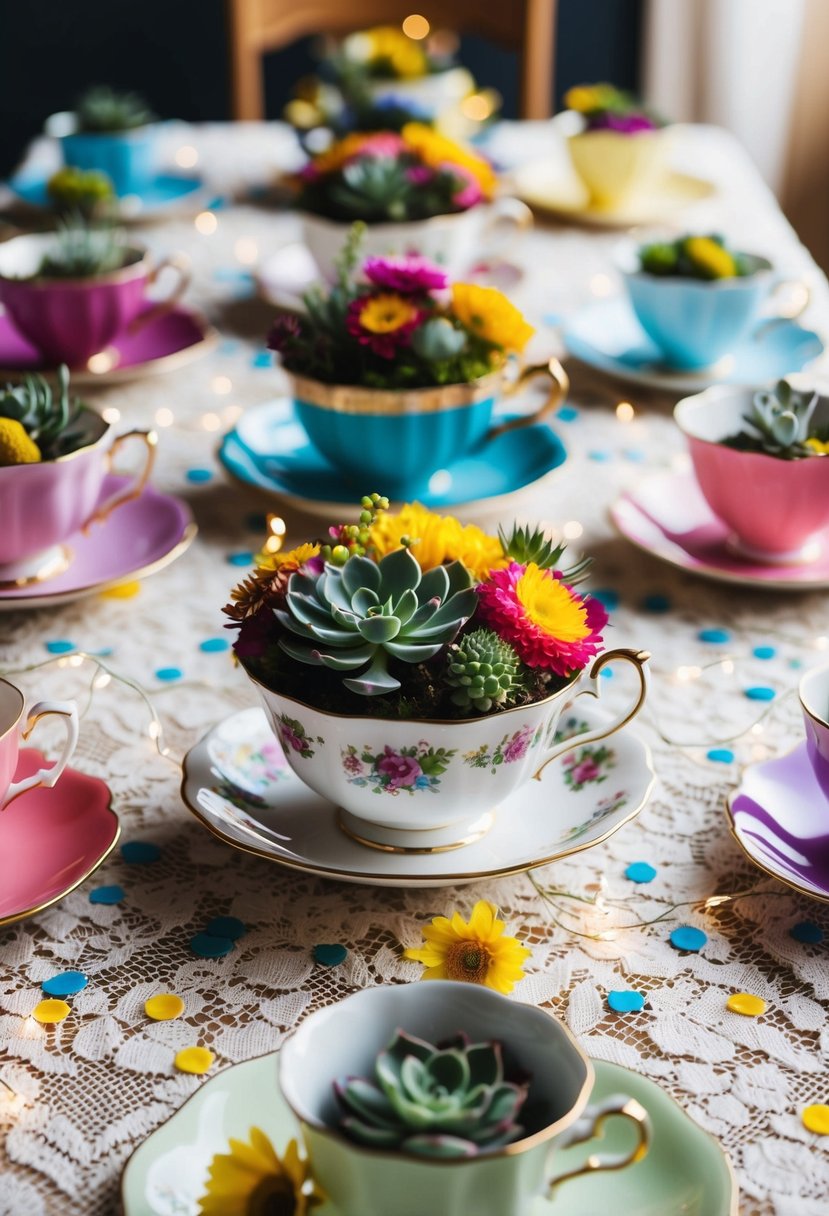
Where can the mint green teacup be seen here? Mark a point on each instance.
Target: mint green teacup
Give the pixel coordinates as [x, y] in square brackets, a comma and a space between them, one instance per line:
[343, 1041]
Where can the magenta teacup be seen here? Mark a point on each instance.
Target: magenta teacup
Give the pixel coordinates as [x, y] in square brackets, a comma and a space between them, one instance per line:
[814, 701]
[70, 320]
[16, 723]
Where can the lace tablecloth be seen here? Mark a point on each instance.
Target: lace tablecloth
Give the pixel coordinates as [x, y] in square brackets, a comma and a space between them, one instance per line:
[82, 1094]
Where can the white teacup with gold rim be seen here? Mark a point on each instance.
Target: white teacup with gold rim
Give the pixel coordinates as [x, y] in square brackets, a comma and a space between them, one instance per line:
[16, 724]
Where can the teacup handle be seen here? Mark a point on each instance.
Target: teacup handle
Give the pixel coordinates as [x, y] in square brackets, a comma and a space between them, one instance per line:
[591, 1125]
[588, 685]
[182, 269]
[559, 388]
[134, 488]
[802, 301]
[510, 217]
[67, 710]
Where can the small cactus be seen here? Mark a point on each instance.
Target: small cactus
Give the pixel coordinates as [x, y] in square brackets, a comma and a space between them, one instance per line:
[483, 672]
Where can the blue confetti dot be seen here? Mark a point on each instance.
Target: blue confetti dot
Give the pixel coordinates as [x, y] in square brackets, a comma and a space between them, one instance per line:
[106, 895]
[229, 346]
[606, 673]
[103, 653]
[567, 413]
[231, 274]
[66, 983]
[208, 945]
[608, 597]
[795, 663]
[60, 646]
[199, 476]
[552, 318]
[243, 558]
[168, 673]
[216, 203]
[764, 652]
[634, 455]
[721, 755]
[626, 1002]
[330, 955]
[256, 522]
[686, 937]
[599, 457]
[808, 932]
[640, 871]
[716, 636]
[226, 926]
[657, 604]
[262, 358]
[140, 852]
[760, 693]
[214, 645]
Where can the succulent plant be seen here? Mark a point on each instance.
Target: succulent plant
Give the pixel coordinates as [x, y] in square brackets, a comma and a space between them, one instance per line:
[363, 613]
[46, 417]
[483, 672]
[783, 417]
[81, 251]
[373, 188]
[80, 190]
[438, 339]
[527, 545]
[694, 257]
[449, 1101]
[102, 109]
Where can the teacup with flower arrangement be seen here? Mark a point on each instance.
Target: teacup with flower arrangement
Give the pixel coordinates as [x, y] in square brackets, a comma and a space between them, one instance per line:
[395, 375]
[416, 190]
[396, 654]
[762, 462]
[114, 134]
[55, 453]
[619, 147]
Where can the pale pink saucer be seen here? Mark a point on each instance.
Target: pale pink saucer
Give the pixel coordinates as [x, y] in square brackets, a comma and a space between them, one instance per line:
[137, 539]
[173, 339]
[667, 516]
[51, 840]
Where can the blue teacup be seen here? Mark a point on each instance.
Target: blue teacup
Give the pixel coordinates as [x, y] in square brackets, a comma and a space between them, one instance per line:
[396, 439]
[128, 158]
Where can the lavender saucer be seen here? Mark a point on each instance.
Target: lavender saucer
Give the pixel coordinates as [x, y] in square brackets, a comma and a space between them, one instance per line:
[171, 340]
[137, 539]
[780, 819]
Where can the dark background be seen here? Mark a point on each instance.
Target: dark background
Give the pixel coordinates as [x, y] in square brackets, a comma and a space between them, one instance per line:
[174, 53]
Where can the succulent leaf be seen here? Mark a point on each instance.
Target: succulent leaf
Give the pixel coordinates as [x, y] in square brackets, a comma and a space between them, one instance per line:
[51, 420]
[782, 419]
[483, 671]
[103, 109]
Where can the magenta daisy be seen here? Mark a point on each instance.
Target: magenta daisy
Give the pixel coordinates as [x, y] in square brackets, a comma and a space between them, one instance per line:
[410, 274]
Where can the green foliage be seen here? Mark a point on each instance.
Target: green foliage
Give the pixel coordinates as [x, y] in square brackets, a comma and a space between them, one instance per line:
[81, 251]
[675, 258]
[80, 191]
[51, 420]
[781, 420]
[483, 672]
[378, 189]
[102, 109]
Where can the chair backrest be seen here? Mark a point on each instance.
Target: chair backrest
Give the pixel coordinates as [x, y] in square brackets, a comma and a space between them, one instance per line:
[259, 26]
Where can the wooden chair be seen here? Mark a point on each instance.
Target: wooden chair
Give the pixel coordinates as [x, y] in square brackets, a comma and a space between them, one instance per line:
[259, 26]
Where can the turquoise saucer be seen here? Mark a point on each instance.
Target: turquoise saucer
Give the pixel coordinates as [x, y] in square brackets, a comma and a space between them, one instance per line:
[165, 192]
[269, 449]
[607, 337]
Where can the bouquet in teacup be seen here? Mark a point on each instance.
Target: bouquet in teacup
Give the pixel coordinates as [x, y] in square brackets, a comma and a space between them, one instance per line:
[606, 108]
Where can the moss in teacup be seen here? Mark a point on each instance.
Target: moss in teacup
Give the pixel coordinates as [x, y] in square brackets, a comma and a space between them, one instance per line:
[781, 424]
[606, 108]
[694, 257]
[38, 424]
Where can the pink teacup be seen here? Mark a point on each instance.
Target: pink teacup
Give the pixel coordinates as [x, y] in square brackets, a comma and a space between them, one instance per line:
[777, 509]
[16, 723]
[814, 701]
[70, 320]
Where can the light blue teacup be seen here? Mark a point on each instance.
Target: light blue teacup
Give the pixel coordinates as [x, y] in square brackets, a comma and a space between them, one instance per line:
[128, 158]
[344, 1039]
[697, 322]
[397, 439]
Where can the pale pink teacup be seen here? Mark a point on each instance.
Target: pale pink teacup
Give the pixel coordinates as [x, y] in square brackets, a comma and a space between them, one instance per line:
[16, 723]
[70, 320]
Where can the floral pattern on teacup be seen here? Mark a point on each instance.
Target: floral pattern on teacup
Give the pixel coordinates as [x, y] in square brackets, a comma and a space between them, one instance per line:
[568, 727]
[293, 737]
[511, 748]
[587, 766]
[394, 771]
[249, 769]
[603, 809]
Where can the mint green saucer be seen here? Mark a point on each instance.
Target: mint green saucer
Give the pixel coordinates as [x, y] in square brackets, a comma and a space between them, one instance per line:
[686, 1173]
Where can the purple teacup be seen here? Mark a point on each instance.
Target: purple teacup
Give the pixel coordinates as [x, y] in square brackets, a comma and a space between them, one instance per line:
[814, 701]
[70, 320]
[17, 723]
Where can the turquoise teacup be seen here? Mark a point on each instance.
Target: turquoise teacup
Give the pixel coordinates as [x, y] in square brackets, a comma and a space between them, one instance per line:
[397, 439]
[343, 1041]
[128, 158]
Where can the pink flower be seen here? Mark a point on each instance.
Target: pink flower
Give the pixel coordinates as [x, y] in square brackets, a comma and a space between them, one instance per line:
[384, 143]
[517, 746]
[402, 771]
[352, 764]
[625, 124]
[587, 770]
[383, 330]
[470, 192]
[419, 175]
[408, 274]
[290, 738]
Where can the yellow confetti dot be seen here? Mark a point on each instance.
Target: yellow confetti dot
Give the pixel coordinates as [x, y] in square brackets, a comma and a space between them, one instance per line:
[50, 1011]
[124, 591]
[816, 1119]
[194, 1059]
[743, 1002]
[164, 1007]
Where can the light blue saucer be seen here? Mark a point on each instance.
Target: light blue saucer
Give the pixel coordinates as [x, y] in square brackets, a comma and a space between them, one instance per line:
[271, 451]
[165, 192]
[607, 337]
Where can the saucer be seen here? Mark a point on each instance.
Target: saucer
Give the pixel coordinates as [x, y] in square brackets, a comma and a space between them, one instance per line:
[667, 516]
[170, 341]
[553, 191]
[779, 820]
[684, 1171]
[606, 336]
[238, 783]
[137, 539]
[51, 840]
[166, 194]
[270, 450]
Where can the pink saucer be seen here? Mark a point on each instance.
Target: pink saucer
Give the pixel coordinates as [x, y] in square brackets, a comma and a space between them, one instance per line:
[51, 840]
[667, 516]
[137, 539]
[176, 338]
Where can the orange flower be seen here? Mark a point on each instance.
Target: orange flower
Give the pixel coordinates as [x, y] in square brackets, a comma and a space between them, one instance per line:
[437, 151]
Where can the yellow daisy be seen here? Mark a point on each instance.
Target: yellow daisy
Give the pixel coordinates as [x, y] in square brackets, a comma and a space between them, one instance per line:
[436, 151]
[252, 1180]
[714, 261]
[589, 97]
[487, 312]
[386, 313]
[820, 446]
[294, 557]
[475, 951]
[389, 45]
[437, 539]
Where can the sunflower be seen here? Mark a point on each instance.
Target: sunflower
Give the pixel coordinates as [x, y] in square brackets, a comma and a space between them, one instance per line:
[436, 539]
[252, 1180]
[438, 152]
[475, 951]
[487, 312]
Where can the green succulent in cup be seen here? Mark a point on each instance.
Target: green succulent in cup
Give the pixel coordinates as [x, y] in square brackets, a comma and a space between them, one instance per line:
[373, 189]
[781, 424]
[81, 250]
[52, 420]
[439, 1102]
[102, 109]
[483, 671]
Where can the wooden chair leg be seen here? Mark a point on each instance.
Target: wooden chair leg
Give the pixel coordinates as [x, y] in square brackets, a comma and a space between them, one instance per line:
[247, 77]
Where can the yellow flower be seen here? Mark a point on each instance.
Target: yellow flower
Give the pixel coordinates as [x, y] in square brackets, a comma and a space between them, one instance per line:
[251, 1180]
[437, 539]
[475, 951]
[386, 313]
[387, 44]
[551, 605]
[714, 261]
[487, 312]
[340, 153]
[16, 445]
[589, 97]
[436, 151]
[820, 446]
[294, 557]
